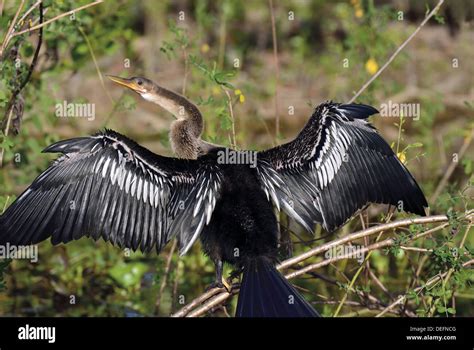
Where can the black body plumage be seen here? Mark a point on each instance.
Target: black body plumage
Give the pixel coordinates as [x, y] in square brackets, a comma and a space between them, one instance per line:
[108, 186]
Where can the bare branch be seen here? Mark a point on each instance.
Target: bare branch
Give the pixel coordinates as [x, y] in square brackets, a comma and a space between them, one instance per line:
[10, 29]
[196, 302]
[400, 48]
[447, 174]
[364, 233]
[216, 296]
[232, 118]
[165, 276]
[277, 68]
[96, 64]
[35, 5]
[41, 25]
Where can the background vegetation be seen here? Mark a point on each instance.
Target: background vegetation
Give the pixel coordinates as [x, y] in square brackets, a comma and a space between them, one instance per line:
[221, 55]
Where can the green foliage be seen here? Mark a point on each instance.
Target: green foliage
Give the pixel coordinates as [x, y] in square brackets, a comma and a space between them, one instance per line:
[3, 266]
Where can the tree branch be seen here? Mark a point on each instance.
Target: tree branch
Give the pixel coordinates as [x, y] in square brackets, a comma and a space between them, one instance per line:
[8, 36]
[217, 296]
[277, 68]
[400, 48]
[41, 25]
[447, 174]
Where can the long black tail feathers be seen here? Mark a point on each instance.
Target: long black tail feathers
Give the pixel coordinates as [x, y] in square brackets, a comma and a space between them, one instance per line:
[264, 292]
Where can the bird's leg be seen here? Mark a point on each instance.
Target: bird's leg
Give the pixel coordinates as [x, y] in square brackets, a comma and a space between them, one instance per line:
[220, 282]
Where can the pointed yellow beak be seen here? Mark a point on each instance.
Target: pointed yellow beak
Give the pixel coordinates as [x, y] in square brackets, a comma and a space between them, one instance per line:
[129, 83]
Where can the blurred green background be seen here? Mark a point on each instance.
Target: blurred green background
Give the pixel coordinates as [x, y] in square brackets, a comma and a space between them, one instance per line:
[203, 49]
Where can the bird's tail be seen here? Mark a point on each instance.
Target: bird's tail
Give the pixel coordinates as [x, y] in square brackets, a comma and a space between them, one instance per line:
[264, 292]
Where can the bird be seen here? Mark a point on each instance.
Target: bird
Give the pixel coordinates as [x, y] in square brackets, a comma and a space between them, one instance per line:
[108, 186]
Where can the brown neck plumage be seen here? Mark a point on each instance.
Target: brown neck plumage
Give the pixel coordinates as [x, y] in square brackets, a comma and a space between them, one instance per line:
[185, 133]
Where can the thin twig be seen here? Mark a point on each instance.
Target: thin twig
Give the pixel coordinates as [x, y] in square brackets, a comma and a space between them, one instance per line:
[6, 204]
[277, 68]
[174, 292]
[451, 270]
[185, 310]
[359, 270]
[165, 276]
[57, 17]
[222, 39]
[416, 249]
[430, 282]
[231, 112]
[447, 174]
[379, 283]
[7, 127]
[35, 5]
[400, 48]
[186, 71]
[99, 73]
[8, 35]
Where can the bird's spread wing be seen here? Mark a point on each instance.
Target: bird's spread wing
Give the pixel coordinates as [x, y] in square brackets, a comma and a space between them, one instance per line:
[335, 167]
[108, 186]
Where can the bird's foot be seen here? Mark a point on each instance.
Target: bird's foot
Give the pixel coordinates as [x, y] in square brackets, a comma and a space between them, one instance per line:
[235, 286]
[235, 274]
[219, 284]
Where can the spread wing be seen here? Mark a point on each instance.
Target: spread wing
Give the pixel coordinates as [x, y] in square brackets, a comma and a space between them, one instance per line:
[108, 186]
[336, 166]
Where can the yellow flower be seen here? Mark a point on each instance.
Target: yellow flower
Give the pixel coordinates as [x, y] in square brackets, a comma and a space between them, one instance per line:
[205, 48]
[402, 157]
[371, 66]
[239, 93]
[359, 12]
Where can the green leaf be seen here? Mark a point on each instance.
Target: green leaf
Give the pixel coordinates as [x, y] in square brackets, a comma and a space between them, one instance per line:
[6, 143]
[451, 310]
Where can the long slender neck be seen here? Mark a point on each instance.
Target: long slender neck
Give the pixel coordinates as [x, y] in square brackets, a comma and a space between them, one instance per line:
[186, 130]
[180, 107]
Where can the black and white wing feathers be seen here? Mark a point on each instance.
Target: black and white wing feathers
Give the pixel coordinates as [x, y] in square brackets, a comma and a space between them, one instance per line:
[336, 166]
[109, 186]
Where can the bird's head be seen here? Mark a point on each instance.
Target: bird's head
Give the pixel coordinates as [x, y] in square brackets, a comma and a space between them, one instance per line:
[174, 103]
[140, 85]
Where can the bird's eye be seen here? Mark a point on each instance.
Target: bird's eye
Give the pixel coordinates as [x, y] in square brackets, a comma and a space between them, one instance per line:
[140, 82]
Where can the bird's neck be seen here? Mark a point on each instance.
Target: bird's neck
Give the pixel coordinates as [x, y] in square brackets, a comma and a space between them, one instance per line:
[186, 130]
[184, 111]
[183, 142]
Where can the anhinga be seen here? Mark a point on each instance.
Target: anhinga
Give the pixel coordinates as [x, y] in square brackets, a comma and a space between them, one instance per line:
[108, 186]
